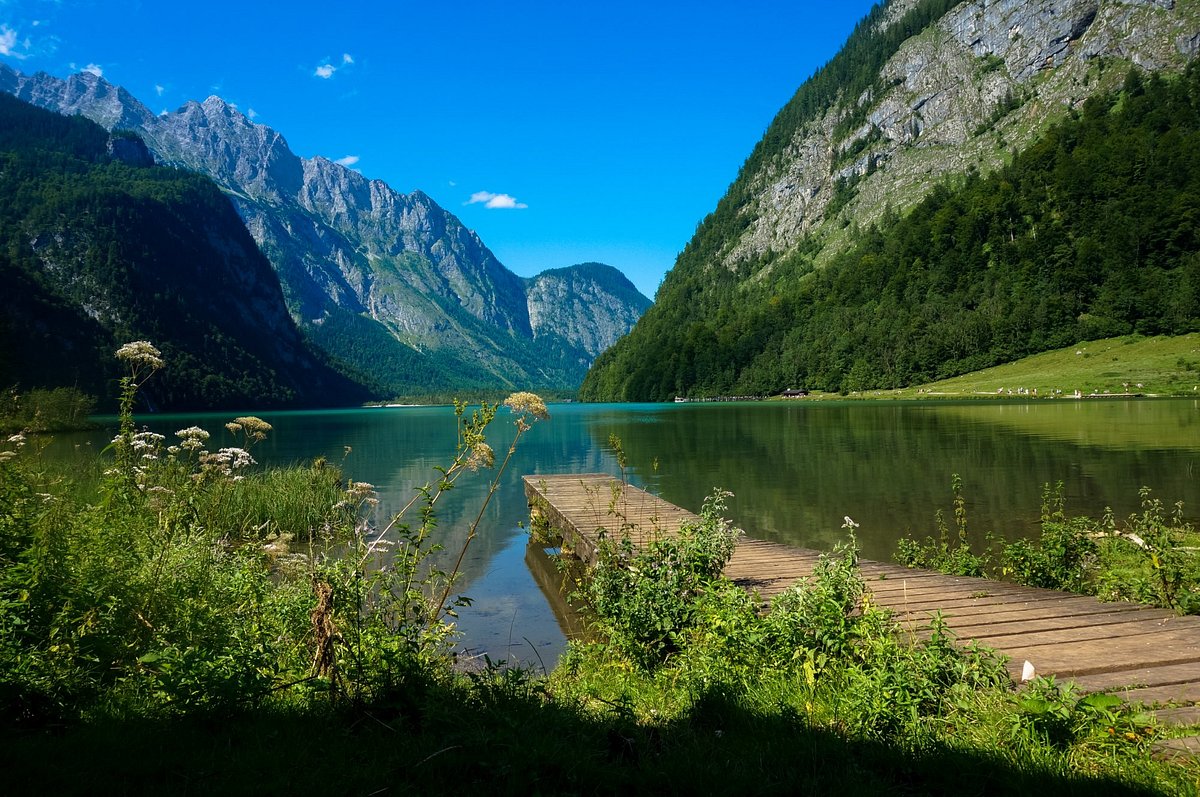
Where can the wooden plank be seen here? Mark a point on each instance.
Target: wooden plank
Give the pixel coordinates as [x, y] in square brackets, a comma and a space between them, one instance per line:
[1147, 654]
[1155, 695]
[1001, 637]
[988, 627]
[1187, 747]
[1067, 607]
[1140, 677]
[1178, 717]
[1098, 655]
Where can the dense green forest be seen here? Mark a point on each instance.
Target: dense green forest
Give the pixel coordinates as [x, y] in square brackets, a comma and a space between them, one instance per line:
[97, 250]
[1091, 232]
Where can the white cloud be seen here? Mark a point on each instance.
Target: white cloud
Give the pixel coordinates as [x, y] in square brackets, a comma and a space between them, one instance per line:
[349, 160]
[8, 40]
[452, 183]
[325, 71]
[347, 59]
[251, 113]
[496, 201]
[94, 69]
[159, 89]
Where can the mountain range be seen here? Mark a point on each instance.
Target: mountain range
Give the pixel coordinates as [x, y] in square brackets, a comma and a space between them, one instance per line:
[99, 247]
[861, 246]
[390, 287]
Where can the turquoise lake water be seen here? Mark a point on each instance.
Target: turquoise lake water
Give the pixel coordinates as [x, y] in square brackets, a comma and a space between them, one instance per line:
[796, 469]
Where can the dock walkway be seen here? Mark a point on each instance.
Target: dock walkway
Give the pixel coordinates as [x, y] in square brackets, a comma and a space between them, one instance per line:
[1140, 653]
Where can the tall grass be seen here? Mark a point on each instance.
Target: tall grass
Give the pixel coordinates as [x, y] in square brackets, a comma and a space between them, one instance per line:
[158, 637]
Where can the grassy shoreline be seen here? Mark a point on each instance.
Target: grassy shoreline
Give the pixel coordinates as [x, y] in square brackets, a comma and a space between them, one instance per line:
[1125, 367]
[195, 623]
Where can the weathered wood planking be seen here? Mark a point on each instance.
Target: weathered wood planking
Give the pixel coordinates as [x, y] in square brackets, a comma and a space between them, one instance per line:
[1143, 654]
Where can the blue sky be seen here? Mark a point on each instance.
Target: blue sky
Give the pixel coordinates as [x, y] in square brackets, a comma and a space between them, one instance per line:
[561, 132]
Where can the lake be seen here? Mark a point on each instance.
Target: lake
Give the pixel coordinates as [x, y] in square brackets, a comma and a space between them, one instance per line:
[796, 469]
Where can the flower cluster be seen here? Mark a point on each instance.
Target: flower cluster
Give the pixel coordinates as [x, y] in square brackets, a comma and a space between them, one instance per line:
[361, 493]
[525, 403]
[226, 460]
[192, 438]
[147, 444]
[481, 456]
[141, 353]
[254, 428]
[19, 440]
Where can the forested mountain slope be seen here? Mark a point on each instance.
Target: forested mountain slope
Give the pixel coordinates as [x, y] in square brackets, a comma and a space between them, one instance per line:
[99, 247]
[808, 273]
[390, 285]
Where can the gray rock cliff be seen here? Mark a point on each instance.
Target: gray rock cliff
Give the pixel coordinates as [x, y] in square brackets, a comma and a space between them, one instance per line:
[588, 307]
[985, 79]
[342, 243]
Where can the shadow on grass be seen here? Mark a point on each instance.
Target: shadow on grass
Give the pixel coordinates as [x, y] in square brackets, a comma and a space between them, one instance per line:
[501, 737]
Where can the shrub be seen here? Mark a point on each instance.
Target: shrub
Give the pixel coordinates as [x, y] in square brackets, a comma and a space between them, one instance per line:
[645, 599]
[1064, 556]
[945, 554]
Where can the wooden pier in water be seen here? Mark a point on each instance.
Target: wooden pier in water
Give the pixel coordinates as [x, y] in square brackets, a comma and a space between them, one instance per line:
[1142, 654]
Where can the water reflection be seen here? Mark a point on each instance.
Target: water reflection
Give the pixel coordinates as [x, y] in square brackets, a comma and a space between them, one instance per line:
[796, 469]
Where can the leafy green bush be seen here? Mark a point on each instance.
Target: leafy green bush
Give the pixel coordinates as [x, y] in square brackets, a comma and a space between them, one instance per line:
[59, 409]
[945, 554]
[173, 590]
[822, 614]
[645, 598]
[1057, 715]
[1153, 559]
[1150, 559]
[1063, 558]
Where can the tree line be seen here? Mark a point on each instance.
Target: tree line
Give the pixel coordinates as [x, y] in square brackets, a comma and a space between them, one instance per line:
[1091, 232]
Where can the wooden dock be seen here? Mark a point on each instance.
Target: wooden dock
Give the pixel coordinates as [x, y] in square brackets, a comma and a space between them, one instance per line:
[1140, 653]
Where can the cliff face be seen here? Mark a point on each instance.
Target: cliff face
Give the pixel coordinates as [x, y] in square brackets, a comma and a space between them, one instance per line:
[342, 244]
[588, 307]
[984, 79]
[924, 94]
[100, 247]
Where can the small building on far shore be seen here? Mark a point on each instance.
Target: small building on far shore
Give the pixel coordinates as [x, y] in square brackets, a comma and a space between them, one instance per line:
[794, 393]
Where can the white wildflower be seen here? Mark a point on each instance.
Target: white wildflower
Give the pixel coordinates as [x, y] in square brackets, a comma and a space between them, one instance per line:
[140, 352]
[481, 456]
[237, 457]
[17, 438]
[192, 438]
[525, 403]
[146, 441]
[7, 455]
[255, 428]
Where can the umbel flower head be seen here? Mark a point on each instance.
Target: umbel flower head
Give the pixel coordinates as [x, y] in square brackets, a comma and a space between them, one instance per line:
[525, 403]
[140, 353]
[482, 456]
[192, 438]
[255, 428]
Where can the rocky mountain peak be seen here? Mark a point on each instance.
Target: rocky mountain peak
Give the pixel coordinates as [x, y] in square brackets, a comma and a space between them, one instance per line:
[589, 305]
[84, 93]
[342, 243]
[962, 93]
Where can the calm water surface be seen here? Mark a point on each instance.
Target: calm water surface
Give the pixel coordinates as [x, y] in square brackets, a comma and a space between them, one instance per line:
[796, 470]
